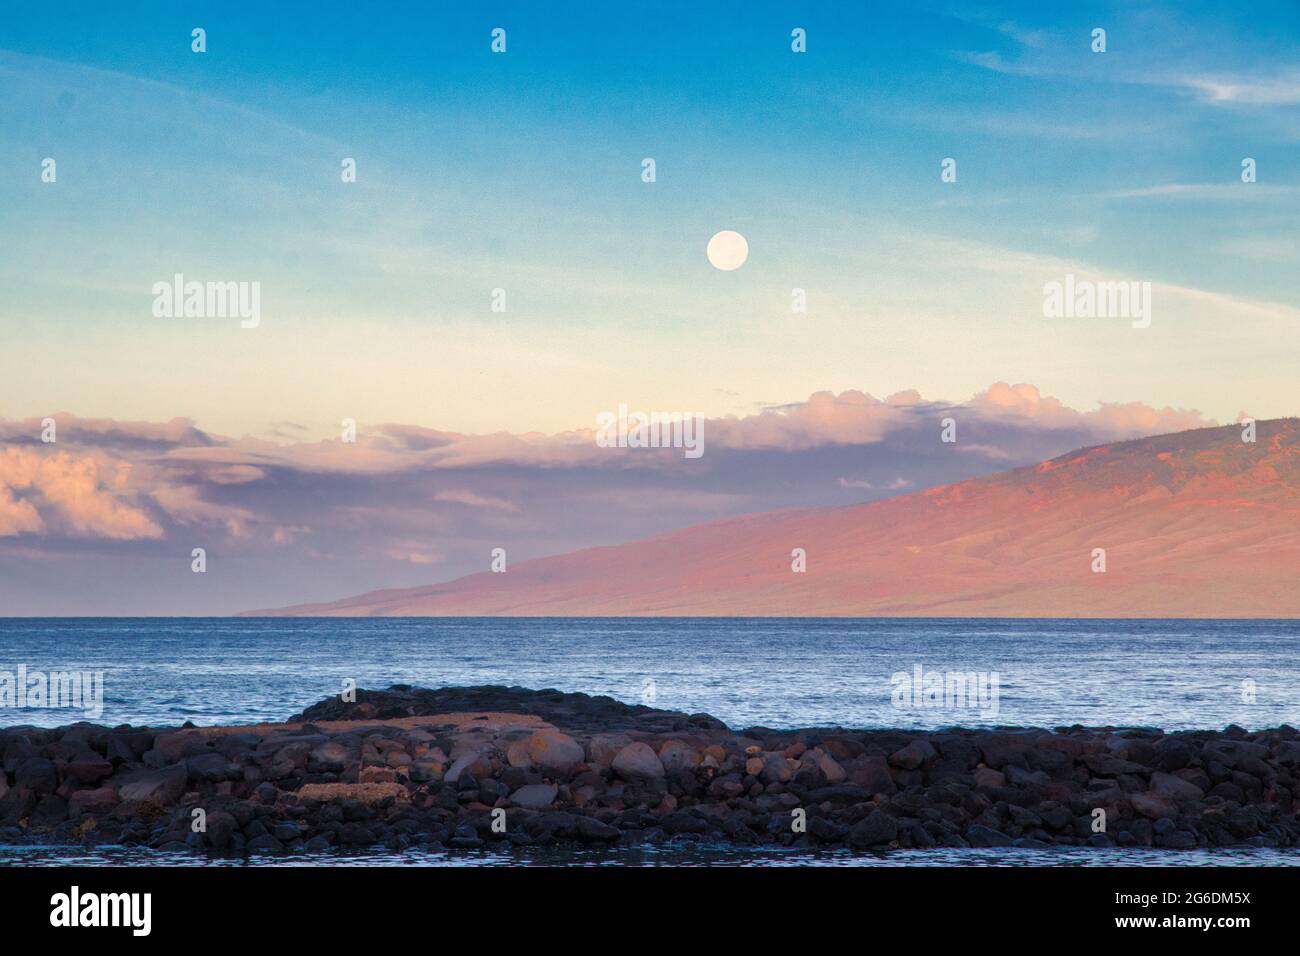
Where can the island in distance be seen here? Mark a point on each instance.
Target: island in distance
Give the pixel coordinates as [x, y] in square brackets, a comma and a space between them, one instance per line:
[1198, 523]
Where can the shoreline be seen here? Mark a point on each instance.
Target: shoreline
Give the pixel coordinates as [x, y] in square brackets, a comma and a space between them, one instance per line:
[472, 767]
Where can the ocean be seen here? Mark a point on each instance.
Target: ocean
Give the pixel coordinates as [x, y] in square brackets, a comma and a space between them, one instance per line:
[778, 673]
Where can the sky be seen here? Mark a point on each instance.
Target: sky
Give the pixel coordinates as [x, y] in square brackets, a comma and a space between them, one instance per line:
[522, 171]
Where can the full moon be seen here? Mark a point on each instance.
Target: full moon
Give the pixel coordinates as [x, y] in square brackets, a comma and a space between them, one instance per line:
[727, 250]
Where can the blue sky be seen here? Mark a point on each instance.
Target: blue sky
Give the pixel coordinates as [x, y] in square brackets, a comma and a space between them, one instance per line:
[521, 171]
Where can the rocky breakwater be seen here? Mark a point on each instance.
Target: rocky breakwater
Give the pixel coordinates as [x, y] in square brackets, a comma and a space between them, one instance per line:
[473, 767]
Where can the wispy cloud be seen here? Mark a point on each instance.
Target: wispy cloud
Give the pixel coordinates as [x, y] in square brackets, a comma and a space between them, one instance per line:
[1234, 192]
[1258, 90]
[997, 63]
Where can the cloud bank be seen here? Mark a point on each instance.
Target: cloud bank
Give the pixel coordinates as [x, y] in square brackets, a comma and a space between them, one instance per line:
[116, 501]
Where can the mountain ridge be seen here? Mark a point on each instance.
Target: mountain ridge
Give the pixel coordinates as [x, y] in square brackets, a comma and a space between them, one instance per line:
[1194, 524]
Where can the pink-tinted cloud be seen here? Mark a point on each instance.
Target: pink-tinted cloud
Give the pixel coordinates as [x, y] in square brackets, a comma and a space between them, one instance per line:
[1110, 421]
[18, 516]
[70, 490]
[106, 432]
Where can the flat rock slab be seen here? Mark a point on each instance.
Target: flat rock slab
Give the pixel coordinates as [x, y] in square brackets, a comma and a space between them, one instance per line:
[364, 792]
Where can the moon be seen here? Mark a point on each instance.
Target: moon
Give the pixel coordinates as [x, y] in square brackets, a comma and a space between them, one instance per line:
[727, 250]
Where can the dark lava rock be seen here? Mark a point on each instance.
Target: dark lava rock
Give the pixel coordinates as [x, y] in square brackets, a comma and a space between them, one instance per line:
[566, 710]
[873, 830]
[444, 783]
[982, 836]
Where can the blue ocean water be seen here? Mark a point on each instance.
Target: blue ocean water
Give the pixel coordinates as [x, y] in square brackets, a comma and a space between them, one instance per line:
[771, 672]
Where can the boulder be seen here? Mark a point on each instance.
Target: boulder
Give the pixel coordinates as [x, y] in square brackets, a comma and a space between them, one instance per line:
[675, 755]
[914, 755]
[593, 830]
[535, 796]
[637, 761]
[517, 754]
[36, 774]
[603, 748]
[776, 769]
[49, 811]
[100, 800]
[1170, 754]
[554, 752]
[1109, 765]
[1153, 806]
[979, 835]
[221, 827]
[680, 821]
[210, 768]
[985, 778]
[332, 755]
[829, 767]
[460, 765]
[1021, 778]
[265, 844]
[1175, 788]
[91, 768]
[165, 785]
[425, 771]
[872, 774]
[875, 829]
[185, 743]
